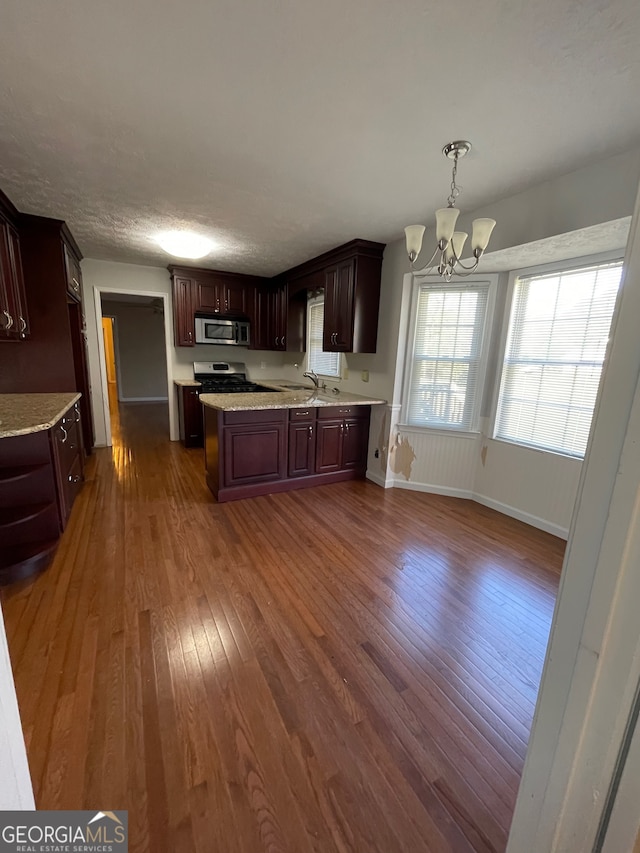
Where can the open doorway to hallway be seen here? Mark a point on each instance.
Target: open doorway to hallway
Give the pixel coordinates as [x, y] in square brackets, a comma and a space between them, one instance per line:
[133, 331]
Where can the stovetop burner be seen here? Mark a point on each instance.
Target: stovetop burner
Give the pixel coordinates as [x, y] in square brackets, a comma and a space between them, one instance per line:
[221, 377]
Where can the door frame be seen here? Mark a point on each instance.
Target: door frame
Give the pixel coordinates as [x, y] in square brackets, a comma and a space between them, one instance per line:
[104, 386]
[116, 351]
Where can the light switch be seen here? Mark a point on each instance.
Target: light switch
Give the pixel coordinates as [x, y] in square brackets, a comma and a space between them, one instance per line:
[365, 376]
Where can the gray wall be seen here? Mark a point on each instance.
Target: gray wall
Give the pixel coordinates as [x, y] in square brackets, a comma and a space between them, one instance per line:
[141, 356]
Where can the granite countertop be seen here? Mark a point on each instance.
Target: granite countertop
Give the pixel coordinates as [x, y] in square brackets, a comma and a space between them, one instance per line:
[285, 399]
[187, 383]
[21, 414]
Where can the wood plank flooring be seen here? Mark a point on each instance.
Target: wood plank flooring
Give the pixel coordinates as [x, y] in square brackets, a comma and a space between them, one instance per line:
[341, 669]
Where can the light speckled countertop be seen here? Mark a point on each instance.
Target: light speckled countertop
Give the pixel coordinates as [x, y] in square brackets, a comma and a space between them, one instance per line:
[21, 414]
[188, 383]
[285, 399]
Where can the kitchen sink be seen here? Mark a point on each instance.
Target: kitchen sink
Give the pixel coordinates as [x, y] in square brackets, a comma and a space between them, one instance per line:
[297, 387]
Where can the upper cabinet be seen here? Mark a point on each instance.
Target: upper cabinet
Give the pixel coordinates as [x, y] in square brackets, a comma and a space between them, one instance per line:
[14, 320]
[200, 291]
[349, 276]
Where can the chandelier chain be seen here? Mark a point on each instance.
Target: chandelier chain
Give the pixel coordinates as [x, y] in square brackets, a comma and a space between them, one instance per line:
[455, 189]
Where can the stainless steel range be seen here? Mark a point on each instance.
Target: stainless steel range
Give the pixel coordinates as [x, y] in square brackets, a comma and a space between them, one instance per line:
[222, 377]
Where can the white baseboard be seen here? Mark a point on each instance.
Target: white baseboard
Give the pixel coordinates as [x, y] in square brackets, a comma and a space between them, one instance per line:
[143, 399]
[379, 480]
[432, 489]
[527, 517]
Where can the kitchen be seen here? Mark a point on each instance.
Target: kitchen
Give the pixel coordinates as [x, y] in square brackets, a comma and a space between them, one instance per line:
[350, 664]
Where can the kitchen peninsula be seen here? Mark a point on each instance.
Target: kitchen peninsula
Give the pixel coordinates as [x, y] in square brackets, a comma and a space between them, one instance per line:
[285, 438]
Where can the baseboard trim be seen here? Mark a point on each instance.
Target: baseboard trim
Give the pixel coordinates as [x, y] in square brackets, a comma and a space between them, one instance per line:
[433, 489]
[379, 480]
[520, 515]
[143, 400]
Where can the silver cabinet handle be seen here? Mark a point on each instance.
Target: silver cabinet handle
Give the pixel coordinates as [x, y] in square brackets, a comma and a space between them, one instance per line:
[23, 325]
[66, 434]
[282, 341]
[74, 479]
[76, 284]
[310, 431]
[347, 427]
[276, 341]
[9, 319]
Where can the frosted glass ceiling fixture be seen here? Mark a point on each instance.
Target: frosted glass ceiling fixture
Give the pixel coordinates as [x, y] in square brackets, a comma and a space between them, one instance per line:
[450, 243]
[185, 244]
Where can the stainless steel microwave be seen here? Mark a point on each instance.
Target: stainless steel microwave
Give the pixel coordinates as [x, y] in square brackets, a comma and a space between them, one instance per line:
[213, 330]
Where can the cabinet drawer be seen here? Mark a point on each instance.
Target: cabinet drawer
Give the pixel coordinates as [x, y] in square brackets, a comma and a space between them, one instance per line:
[308, 413]
[333, 413]
[256, 416]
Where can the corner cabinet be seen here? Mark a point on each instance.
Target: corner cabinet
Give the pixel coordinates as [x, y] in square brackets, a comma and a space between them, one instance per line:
[41, 474]
[350, 277]
[258, 452]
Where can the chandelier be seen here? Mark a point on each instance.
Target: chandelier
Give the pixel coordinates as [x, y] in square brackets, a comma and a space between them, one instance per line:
[449, 242]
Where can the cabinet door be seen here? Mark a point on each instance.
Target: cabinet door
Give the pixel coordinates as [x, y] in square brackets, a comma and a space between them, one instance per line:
[338, 307]
[260, 320]
[207, 297]
[192, 427]
[17, 277]
[234, 297]
[8, 314]
[354, 444]
[74, 276]
[183, 312]
[254, 453]
[302, 449]
[329, 446]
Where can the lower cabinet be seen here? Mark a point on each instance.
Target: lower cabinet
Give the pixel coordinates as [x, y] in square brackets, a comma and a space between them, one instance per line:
[40, 475]
[190, 416]
[257, 452]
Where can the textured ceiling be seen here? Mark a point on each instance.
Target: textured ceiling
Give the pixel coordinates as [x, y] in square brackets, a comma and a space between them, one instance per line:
[282, 129]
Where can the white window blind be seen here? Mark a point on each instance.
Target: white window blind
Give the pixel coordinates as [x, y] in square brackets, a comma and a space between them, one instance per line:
[323, 363]
[444, 381]
[556, 343]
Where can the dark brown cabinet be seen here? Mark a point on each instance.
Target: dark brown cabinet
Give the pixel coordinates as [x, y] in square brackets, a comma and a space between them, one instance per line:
[200, 291]
[222, 296]
[343, 434]
[302, 442]
[337, 333]
[14, 321]
[258, 452]
[40, 476]
[66, 439]
[254, 447]
[190, 416]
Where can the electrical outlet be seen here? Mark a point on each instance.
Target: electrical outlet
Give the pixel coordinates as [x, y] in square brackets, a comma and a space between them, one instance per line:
[345, 373]
[365, 376]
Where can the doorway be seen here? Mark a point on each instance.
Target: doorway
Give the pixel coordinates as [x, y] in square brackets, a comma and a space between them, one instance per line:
[134, 364]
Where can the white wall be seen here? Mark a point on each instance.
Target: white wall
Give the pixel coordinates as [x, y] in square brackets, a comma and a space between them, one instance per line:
[536, 487]
[16, 791]
[140, 351]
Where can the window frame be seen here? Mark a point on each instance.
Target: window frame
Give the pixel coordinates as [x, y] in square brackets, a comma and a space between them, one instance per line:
[316, 300]
[566, 265]
[436, 282]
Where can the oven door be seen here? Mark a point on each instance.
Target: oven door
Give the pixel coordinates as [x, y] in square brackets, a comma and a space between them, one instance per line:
[210, 330]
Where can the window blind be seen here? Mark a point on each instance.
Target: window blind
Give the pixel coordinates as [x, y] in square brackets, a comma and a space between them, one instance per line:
[323, 363]
[445, 365]
[556, 342]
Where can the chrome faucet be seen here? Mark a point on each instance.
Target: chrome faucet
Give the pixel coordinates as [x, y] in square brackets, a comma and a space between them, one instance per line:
[313, 376]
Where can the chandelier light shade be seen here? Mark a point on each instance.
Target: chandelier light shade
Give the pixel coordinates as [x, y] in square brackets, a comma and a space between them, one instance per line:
[449, 242]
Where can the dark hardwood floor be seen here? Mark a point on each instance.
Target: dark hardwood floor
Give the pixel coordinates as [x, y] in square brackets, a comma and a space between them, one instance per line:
[341, 669]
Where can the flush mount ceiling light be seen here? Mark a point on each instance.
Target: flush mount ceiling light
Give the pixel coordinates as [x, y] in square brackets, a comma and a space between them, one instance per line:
[185, 244]
[450, 243]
